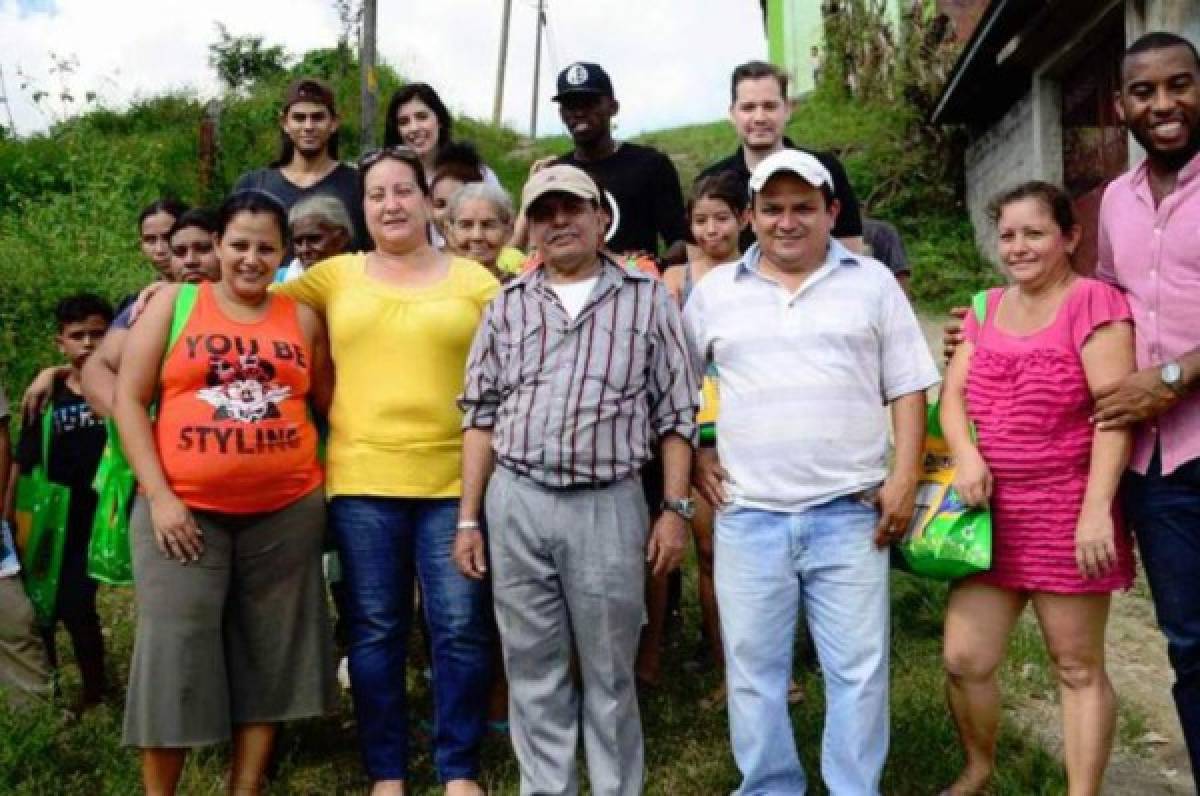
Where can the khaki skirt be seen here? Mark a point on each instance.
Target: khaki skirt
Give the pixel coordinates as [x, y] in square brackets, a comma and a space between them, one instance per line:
[241, 636]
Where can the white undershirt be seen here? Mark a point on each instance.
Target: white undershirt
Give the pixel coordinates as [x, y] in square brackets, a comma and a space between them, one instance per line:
[574, 295]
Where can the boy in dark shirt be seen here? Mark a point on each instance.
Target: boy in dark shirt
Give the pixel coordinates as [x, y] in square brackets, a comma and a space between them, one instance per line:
[76, 442]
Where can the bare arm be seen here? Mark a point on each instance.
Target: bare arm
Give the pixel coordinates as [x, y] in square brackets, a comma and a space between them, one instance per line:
[972, 479]
[669, 537]
[37, 394]
[478, 463]
[1107, 359]
[1141, 395]
[100, 372]
[174, 527]
[321, 372]
[898, 495]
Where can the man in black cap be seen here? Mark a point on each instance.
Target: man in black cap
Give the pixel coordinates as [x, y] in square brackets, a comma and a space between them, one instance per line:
[640, 184]
[307, 164]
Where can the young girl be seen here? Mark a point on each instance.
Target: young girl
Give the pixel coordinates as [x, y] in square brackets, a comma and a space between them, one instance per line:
[716, 214]
[1024, 378]
[154, 227]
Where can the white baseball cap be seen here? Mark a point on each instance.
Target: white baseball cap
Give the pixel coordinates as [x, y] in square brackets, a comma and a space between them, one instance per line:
[802, 164]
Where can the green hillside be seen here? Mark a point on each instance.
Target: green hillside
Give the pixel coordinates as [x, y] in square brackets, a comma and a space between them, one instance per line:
[69, 199]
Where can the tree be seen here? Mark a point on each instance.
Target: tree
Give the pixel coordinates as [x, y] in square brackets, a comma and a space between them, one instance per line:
[241, 61]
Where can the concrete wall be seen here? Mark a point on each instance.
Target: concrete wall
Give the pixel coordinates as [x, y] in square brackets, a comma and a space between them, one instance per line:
[1027, 142]
[996, 160]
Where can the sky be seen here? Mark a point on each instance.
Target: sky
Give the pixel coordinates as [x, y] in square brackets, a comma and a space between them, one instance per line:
[669, 60]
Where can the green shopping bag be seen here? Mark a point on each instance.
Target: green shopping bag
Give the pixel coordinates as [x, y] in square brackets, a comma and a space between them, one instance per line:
[41, 509]
[110, 558]
[947, 539]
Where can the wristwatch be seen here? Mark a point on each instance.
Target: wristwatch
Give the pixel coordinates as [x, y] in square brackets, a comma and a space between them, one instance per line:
[684, 507]
[1171, 375]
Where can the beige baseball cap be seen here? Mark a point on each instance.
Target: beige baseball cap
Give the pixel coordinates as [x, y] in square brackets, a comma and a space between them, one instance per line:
[802, 164]
[559, 178]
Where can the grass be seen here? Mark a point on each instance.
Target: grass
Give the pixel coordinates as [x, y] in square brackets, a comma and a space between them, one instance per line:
[68, 204]
[687, 747]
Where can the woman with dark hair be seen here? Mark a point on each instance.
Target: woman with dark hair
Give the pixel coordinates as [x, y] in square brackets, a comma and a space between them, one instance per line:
[417, 118]
[716, 216]
[1015, 410]
[233, 633]
[394, 458]
[154, 224]
[193, 239]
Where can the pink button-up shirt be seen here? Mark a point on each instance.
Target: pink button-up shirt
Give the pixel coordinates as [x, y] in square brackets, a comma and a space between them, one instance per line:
[1153, 254]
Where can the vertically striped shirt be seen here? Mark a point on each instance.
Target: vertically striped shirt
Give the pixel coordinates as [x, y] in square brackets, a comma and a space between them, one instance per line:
[805, 375]
[580, 402]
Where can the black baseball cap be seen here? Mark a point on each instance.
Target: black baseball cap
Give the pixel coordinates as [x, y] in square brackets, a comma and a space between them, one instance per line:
[583, 78]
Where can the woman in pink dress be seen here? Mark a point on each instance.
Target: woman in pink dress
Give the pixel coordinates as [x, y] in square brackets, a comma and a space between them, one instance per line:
[1024, 379]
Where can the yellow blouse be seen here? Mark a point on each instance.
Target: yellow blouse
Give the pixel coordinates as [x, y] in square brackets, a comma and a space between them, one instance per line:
[399, 354]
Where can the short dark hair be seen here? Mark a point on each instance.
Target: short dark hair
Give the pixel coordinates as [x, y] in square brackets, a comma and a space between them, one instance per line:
[198, 217]
[1159, 40]
[166, 204]
[253, 202]
[1055, 199]
[426, 94]
[723, 186]
[459, 160]
[79, 307]
[753, 70]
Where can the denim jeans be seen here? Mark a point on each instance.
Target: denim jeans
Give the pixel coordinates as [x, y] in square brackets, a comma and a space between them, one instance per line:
[1165, 514]
[381, 542]
[767, 563]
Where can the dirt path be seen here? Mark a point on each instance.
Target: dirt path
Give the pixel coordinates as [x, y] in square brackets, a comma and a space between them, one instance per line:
[1149, 757]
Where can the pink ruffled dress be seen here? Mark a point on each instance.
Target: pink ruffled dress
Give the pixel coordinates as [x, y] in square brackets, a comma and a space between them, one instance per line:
[1029, 400]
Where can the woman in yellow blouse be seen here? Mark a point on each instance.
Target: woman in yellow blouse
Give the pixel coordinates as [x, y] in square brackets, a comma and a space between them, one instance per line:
[401, 320]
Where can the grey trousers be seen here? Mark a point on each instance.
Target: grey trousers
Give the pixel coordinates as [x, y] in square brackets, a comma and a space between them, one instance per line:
[24, 670]
[568, 568]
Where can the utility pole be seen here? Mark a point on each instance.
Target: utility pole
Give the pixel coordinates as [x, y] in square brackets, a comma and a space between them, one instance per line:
[537, 67]
[369, 80]
[12, 127]
[498, 102]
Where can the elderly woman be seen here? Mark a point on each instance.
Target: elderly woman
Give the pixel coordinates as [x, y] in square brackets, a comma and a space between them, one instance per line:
[232, 630]
[401, 320]
[480, 222]
[1015, 410]
[321, 228]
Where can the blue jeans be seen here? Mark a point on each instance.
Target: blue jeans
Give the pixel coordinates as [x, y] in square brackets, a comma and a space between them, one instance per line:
[766, 563]
[1165, 514]
[381, 542]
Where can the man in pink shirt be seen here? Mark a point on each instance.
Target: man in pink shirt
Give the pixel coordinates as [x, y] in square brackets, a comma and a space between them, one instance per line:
[1150, 248]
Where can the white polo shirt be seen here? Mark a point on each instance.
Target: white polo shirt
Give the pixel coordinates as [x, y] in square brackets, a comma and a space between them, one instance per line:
[805, 377]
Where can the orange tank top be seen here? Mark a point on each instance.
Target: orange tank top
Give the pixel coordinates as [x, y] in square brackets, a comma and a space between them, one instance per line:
[234, 433]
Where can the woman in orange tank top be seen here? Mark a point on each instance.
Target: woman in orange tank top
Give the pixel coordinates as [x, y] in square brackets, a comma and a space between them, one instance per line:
[232, 630]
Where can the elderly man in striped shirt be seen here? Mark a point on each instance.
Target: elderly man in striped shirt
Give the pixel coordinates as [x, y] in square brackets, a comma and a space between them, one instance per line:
[578, 371]
[811, 342]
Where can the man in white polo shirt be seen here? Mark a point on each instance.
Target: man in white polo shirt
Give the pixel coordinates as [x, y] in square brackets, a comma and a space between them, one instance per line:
[812, 342]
